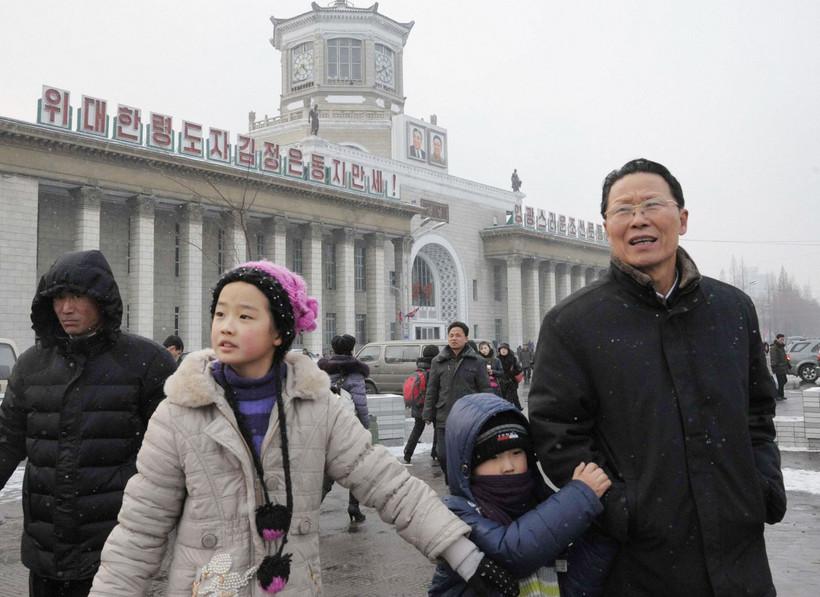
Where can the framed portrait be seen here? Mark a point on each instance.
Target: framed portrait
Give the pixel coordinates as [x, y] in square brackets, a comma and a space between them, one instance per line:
[416, 142]
[437, 147]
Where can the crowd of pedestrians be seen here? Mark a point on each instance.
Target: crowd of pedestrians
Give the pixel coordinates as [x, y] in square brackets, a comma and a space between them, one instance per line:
[663, 468]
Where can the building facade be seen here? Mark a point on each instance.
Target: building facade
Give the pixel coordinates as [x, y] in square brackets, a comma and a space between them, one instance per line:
[391, 244]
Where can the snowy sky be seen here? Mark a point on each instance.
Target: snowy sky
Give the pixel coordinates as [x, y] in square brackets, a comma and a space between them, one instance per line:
[726, 94]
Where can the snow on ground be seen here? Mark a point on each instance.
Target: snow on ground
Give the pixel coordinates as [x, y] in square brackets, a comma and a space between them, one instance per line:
[14, 486]
[802, 480]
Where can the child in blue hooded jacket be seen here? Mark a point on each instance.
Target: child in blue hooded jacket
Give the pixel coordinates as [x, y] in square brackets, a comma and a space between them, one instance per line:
[543, 538]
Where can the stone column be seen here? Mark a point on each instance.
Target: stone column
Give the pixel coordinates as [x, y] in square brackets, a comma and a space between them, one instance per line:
[88, 218]
[548, 296]
[236, 246]
[345, 287]
[190, 325]
[375, 272]
[563, 281]
[141, 270]
[276, 239]
[19, 204]
[404, 270]
[515, 324]
[312, 263]
[532, 300]
[576, 278]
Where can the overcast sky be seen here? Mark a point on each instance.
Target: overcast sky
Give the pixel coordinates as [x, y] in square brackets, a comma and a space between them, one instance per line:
[726, 94]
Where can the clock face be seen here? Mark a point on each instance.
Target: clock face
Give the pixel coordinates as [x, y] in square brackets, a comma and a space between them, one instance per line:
[301, 67]
[384, 69]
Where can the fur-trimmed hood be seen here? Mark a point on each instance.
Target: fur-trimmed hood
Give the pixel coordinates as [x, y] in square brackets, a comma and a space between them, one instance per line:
[194, 386]
[343, 364]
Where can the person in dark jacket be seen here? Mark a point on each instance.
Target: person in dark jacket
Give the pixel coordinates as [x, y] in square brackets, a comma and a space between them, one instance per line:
[458, 370]
[780, 364]
[494, 369]
[657, 374]
[428, 353]
[175, 346]
[349, 373]
[517, 521]
[77, 406]
[525, 358]
[511, 371]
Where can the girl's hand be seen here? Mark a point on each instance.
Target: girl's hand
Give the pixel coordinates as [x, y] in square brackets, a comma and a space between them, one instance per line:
[593, 476]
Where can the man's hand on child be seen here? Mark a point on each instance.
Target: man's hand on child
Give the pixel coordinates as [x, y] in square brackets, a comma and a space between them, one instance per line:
[594, 477]
[493, 579]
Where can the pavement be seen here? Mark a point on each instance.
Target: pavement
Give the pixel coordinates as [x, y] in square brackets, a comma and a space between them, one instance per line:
[369, 559]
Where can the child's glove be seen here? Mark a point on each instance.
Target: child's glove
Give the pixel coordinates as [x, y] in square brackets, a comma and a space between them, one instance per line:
[490, 579]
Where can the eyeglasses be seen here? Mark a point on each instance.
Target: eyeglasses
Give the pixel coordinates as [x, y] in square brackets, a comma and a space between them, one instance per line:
[626, 211]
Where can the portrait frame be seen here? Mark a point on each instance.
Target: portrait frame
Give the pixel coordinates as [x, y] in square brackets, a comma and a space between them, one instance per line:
[413, 153]
[434, 137]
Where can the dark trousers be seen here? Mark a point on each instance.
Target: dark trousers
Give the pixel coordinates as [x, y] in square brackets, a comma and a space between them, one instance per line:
[441, 450]
[413, 440]
[39, 586]
[781, 383]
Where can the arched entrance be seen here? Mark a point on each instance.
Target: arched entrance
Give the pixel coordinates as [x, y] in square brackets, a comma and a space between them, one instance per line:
[436, 292]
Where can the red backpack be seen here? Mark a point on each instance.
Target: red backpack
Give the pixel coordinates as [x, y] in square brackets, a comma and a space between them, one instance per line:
[414, 388]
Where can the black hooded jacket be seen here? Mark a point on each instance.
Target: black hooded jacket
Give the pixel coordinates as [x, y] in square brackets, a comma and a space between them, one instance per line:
[77, 409]
[673, 398]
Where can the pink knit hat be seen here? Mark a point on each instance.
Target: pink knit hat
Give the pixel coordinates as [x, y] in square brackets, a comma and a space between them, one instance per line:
[305, 308]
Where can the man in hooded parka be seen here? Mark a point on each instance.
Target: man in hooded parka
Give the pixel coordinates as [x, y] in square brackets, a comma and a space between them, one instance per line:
[77, 406]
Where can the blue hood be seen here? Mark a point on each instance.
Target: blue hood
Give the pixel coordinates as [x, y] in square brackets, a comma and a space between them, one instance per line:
[466, 418]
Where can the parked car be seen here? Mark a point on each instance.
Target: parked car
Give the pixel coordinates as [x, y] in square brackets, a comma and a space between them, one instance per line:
[804, 357]
[313, 356]
[8, 356]
[391, 362]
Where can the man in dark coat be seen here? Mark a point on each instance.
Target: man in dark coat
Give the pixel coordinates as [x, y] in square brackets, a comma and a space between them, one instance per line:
[658, 375]
[77, 406]
[780, 364]
[458, 370]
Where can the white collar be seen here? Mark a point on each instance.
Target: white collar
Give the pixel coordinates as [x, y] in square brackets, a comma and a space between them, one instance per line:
[665, 297]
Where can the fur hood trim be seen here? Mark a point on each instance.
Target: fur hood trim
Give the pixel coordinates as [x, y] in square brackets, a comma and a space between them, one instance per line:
[193, 385]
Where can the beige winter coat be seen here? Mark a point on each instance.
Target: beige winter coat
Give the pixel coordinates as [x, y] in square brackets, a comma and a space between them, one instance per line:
[195, 474]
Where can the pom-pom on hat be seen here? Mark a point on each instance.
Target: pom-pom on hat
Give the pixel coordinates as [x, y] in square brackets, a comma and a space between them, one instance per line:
[293, 310]
[502, 432]
[343, 344]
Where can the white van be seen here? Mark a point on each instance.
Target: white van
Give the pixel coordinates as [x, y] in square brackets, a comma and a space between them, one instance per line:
[8, 357]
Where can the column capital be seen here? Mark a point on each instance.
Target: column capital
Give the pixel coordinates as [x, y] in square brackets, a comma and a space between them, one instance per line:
[375, 238]
[142, 202]
[191, 210]
[86, 192]
[343, 234]
[513, 260]
[549, 266]
[402, 243]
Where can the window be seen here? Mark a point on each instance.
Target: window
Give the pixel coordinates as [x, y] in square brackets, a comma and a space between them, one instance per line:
[344, 59]
[402, 354]
[330, 329]
[369, 354]
[176, 249]
[498, 282]
[392, 277]
[329, 264]
[128, 317]
[423, 289]
[220, 250]
[361, 328]
[260, 245]
[799, 347]
[428, 333]
[360, 273]
[128, 249]
[176, 320]
[475, 290]
[296, 255]
[499, 331]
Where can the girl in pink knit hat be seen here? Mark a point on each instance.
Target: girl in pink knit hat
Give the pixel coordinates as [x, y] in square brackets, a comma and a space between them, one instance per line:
[235, 457]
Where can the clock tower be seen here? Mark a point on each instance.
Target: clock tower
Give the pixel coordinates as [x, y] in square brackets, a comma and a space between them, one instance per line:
[348, 62]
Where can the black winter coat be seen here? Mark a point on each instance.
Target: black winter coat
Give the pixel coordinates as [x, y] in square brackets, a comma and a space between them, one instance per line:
[674, 400]
[451, 378]
[77, 409]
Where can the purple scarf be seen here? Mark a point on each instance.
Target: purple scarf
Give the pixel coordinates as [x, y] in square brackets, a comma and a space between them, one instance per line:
[503, 498]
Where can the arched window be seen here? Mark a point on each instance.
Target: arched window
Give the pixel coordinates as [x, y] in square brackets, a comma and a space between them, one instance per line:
[344, 59]
[423, 291]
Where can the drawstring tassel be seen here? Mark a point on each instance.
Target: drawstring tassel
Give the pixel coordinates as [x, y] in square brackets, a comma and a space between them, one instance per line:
[274, 572]
[272, 521]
